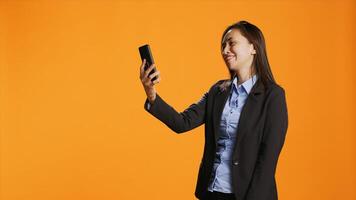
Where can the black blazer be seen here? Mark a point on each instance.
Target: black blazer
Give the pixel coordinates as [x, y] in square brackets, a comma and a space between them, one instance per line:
[261, 133]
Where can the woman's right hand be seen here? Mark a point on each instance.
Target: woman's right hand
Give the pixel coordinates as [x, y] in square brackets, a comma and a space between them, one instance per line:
[148, 85]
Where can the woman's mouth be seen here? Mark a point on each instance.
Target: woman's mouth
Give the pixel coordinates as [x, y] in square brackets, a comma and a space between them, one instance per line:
[229, 58]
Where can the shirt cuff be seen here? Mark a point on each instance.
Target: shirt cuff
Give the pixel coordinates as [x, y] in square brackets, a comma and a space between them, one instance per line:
[147, 105]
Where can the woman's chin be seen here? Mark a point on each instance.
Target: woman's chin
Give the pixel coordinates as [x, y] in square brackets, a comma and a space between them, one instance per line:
[231, 66]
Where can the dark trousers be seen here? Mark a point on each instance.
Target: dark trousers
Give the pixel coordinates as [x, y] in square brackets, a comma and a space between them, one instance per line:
[218, 196]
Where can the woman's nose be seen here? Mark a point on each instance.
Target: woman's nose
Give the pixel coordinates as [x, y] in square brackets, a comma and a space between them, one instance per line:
[226, 50]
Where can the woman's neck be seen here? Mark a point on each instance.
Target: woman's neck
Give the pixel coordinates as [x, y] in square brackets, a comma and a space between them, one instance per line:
[244, 75]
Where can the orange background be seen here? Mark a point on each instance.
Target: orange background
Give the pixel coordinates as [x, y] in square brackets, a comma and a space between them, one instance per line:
[73, 124]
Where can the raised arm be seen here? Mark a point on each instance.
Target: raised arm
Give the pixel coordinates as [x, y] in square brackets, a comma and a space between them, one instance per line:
[179, 122]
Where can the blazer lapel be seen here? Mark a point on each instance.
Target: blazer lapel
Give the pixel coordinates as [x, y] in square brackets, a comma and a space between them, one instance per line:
[219, 104]
[253, 99]
[220, 100]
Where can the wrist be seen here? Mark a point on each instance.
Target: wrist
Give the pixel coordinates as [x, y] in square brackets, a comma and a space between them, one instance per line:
[151, 99]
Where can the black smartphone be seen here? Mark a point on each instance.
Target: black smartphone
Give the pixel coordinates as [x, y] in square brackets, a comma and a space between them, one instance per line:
[145, 53]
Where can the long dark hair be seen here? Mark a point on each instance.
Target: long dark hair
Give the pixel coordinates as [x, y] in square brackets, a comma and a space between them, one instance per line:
[260, 61]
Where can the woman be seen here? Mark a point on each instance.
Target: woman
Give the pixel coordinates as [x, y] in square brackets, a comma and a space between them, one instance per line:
[245, 120]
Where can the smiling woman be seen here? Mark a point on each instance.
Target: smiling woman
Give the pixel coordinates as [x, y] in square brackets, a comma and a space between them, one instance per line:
[237, 50]
[245, 120]
[243, 48]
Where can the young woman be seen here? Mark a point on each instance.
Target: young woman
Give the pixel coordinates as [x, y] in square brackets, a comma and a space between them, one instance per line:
[245, 120]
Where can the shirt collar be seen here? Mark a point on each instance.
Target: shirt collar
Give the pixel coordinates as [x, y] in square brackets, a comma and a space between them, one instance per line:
[247, 85]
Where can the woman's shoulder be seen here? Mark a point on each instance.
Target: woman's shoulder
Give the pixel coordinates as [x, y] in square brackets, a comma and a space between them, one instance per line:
[220, 85]
[275, 90]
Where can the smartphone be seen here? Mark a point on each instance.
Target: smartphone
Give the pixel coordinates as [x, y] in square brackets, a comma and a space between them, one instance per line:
[145, 53]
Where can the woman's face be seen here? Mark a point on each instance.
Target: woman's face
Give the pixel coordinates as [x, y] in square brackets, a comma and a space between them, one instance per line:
[237, 51]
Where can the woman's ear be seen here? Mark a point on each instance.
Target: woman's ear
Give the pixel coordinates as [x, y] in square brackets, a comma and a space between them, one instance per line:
[253, 51]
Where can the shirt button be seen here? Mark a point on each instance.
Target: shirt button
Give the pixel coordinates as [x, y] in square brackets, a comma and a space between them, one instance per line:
[236, 163]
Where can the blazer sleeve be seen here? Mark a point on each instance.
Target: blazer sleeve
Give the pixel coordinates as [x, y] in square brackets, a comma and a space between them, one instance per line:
[179, 122]
[274, 133]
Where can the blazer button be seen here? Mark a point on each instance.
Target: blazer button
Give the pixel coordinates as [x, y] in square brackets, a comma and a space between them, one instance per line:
[236, 163]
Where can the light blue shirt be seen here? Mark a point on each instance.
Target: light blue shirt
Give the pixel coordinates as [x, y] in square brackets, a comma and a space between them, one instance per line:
[221, 179]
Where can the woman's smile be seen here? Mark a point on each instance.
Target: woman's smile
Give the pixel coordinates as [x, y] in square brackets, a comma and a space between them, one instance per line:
[229, 58]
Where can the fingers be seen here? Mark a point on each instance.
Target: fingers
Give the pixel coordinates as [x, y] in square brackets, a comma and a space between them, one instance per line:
[156, 81]
[153, 75]
[146, 77]
[144, 73]
[149, 80]
[148, 71]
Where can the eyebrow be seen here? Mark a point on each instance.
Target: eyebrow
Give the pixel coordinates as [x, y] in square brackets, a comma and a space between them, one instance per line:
[227, 40]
